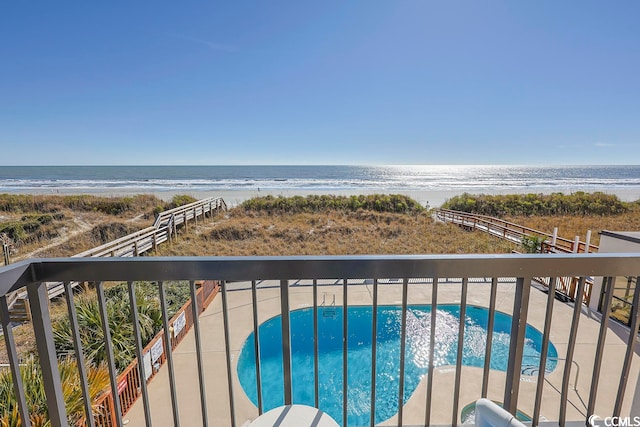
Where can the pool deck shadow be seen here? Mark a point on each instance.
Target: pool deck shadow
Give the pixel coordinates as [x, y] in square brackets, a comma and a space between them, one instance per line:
[301, 296]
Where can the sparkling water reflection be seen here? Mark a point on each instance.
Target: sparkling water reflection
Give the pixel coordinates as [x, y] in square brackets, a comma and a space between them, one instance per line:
[388, 355]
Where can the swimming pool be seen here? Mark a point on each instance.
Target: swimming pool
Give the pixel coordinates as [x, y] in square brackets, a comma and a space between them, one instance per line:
[359, 355]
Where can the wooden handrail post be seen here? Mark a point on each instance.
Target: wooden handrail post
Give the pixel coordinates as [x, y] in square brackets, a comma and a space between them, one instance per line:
[5, 252]
[572, 288]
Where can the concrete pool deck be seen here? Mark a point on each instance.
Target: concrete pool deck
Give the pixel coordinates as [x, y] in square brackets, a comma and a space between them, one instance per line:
[300, 296]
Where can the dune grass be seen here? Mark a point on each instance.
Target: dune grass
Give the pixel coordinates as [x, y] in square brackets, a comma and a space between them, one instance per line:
[293, 231]
[241, 233]
[55, 226]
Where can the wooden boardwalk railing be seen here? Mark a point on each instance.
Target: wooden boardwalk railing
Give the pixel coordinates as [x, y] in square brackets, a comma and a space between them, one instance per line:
[565, 287]
[132, 245]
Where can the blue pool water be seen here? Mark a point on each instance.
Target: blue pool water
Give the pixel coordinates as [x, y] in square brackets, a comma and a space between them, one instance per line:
[359, 355]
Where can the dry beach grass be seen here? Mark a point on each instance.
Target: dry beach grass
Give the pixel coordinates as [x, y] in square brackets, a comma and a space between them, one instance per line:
[241, 232]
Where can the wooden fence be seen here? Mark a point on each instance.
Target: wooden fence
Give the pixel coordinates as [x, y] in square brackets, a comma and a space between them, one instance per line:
[566, 287]
[513, 232]
[129, 380]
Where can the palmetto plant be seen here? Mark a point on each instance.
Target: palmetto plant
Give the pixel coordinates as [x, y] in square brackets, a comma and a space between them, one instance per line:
[92, 335]
[98, 379]
[119, 318]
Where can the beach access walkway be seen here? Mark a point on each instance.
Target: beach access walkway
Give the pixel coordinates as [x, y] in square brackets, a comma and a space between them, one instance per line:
[135, 244]
[513, 232]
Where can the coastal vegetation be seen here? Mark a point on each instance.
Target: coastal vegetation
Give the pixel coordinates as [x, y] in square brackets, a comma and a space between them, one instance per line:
[49, 226]
[78, 203]
[573, 214]
[578, 203]
[330, 225]
[313, 225]
[32, 380]
[54, 225]
[92, 338]
[395, 203]
[119, 315]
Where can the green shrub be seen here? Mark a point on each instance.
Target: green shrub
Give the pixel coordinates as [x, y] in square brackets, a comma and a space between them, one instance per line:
[376, 202]
[532, 244]
[157, 211]
[109, 206]
[43, 218]
[180, 200]
[14, 230]
[578, 203]
[26, 203]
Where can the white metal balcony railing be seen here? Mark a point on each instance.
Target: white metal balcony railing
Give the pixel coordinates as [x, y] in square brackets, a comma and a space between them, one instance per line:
[257, 288]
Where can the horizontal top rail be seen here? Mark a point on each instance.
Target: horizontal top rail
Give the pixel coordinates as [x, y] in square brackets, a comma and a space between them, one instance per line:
[308, 267]
[162, 218]
[562, 244]
[114, 244]
[165, 215]
[139, 241]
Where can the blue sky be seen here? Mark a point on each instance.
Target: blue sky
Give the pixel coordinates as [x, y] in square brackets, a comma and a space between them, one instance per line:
[325, 82]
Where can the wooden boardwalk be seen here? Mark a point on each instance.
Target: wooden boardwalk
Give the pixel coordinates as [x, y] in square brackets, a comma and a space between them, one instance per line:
[565, 287]
[135, 244]
[513, 232]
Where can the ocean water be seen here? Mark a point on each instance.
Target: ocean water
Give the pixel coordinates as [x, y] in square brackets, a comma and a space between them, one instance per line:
[454, 178]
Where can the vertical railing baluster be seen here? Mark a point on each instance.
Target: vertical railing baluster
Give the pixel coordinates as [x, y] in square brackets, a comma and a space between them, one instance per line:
[82, 370]
[14, 361]
[607, 282]
[631, 345]
[41, 321]
[403, 338]
[490, 326]
[256, 344]
[374, 339]
[463, 315]
[195, 314]
[345, 331]
[286, 341]
[573, 332]
[169, 350]
[138, 346]
[432, 339]
[516, 345]
[227, 352]
[316, 365]
[113, 373]
[542, 367]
